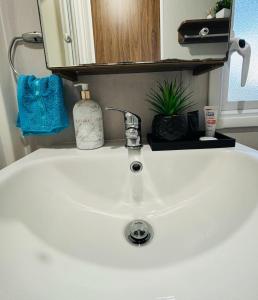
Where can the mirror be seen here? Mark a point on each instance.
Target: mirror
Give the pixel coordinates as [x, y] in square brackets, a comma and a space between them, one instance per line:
[81, 32]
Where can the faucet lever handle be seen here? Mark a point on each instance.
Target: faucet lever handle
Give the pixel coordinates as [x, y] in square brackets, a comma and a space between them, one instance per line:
[131, 119]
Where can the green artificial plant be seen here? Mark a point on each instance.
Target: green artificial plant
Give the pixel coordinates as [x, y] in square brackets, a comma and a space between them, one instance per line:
[222, 4]
[169, 99]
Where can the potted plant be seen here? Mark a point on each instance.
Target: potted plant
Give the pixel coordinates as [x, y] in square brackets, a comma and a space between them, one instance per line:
[170, 101]
[222, 8]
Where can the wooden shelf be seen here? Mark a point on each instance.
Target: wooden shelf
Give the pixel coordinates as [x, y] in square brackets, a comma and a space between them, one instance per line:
[197, 66]
[189, 31]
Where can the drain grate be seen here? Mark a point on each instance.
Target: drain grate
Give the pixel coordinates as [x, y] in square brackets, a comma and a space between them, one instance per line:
[138, 232]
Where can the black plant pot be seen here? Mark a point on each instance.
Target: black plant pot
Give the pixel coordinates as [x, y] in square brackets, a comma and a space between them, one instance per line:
[169, 128]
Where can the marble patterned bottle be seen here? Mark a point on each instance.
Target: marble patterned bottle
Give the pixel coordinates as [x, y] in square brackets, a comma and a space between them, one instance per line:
[88, 121]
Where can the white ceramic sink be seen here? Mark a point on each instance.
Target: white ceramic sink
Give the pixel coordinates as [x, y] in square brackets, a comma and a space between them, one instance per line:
[63, 213]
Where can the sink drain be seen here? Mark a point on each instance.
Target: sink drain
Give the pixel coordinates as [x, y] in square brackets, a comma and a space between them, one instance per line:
[136, 167]
[138, 232]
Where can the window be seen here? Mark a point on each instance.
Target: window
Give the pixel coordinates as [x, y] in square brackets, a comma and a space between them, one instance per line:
[239, 105]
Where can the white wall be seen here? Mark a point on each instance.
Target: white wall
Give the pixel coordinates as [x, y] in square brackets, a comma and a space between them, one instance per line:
[11, 144]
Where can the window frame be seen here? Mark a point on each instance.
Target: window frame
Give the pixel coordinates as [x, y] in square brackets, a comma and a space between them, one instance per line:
[231, 114]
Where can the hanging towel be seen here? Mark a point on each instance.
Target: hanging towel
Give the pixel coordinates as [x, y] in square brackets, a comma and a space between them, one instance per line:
[41, 105]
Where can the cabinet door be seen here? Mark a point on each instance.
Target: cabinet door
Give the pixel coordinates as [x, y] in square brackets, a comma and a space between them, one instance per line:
[126, 30]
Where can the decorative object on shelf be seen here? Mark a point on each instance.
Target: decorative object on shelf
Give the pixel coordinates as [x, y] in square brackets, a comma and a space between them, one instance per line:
[210, 14]
[205, 31]
[193, 122]
[211, 116]
[170, 101]
[222, 8]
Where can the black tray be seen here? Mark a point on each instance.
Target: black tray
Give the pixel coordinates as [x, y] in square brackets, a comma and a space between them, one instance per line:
[191, 142]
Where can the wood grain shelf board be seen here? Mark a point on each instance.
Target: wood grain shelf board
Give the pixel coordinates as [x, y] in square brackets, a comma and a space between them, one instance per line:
[197, 66]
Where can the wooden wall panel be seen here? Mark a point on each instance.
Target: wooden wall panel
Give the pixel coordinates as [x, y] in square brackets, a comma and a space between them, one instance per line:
[126, 30]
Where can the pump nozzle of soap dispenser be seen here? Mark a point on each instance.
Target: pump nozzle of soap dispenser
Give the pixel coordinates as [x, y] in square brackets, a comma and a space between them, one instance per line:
[85, 93]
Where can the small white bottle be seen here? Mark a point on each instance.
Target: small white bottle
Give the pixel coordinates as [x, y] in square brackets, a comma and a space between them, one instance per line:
[88, 121]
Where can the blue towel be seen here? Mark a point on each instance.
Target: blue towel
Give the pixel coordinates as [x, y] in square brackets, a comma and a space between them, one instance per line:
[41, 105]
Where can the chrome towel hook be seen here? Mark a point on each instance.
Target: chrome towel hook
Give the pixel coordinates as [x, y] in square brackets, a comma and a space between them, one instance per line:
[26, 38]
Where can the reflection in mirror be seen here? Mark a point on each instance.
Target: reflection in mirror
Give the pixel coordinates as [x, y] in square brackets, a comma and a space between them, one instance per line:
[81, 32]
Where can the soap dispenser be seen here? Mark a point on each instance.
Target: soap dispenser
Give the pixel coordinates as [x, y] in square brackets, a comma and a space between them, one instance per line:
[88, 121]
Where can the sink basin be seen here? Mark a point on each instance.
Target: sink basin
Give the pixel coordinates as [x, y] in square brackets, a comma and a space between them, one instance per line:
[63, 214]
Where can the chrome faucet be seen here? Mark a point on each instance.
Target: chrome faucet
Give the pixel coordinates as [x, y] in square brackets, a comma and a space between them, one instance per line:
[132, 128]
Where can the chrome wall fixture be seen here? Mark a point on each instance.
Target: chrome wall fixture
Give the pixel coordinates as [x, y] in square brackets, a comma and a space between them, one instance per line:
[205, 33]
[132, 128]
[25, 38]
